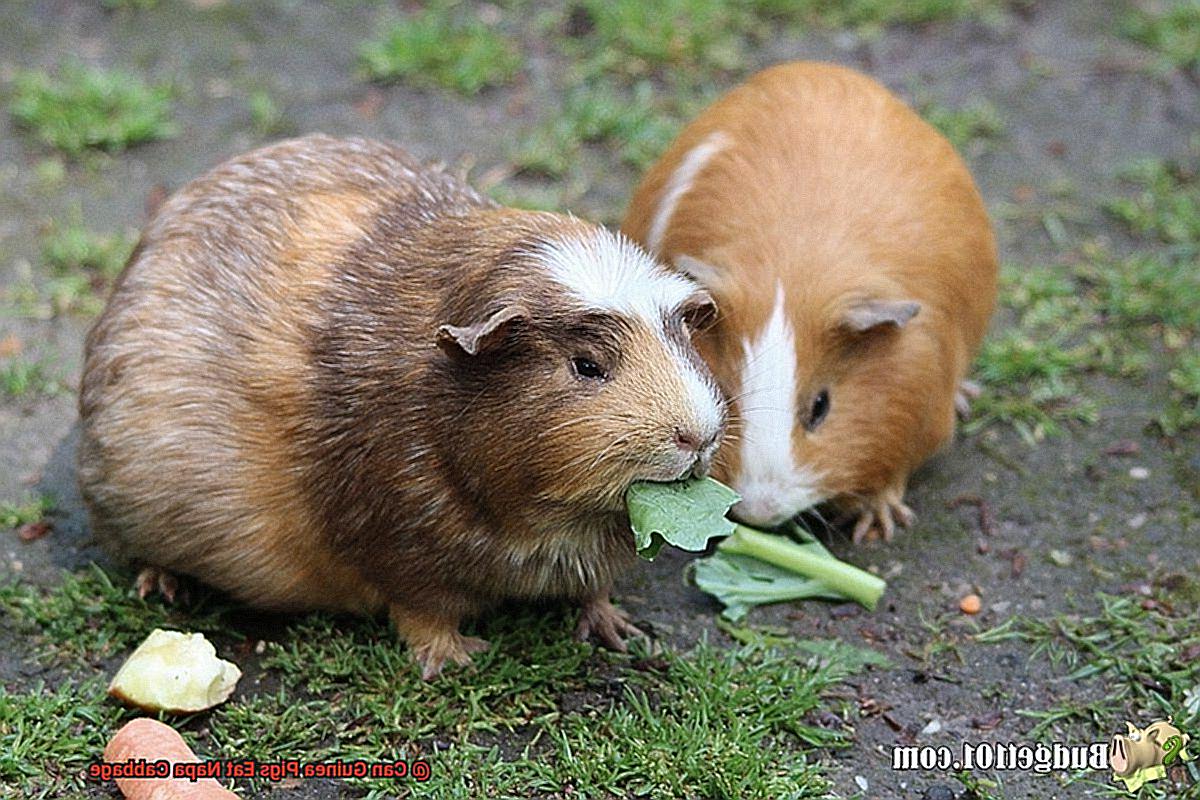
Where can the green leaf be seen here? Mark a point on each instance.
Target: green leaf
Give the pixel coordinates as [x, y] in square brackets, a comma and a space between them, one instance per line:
[743, 582]
[685, 514]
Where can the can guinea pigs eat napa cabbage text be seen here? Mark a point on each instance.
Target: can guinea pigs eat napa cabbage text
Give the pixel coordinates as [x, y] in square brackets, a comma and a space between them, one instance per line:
[332, 378]
[855, 268]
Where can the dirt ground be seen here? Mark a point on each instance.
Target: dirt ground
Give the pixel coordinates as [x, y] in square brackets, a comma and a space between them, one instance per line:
[1078, 102]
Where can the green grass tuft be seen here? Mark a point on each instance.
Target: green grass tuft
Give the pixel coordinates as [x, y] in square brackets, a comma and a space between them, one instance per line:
[85, 108]
[72, 247]
[22, 378]
[1134, 316]
[634, 38]
[82, 265]
[1170, 28]
[266, 117]
[93, 615]
[1166, 206]
[14, 515]
[968, 128]
[438, 47]
[632, 122]
[48, 737]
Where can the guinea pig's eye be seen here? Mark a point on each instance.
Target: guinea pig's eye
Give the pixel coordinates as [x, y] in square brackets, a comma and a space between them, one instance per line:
[819, 410]
[586, 368]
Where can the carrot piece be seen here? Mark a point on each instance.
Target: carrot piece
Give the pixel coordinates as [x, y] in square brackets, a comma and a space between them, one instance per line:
[153, 741]
[971, 604]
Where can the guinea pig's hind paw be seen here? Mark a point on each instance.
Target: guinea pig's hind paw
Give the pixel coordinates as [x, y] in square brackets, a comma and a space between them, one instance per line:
[600, 618]
[881, 521]
[432, 656]
[154, 578]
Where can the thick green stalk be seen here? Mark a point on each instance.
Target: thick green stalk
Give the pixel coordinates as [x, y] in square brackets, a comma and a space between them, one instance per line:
[782, 552]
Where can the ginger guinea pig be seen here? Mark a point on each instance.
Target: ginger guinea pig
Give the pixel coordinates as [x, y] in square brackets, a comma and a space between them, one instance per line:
[855, 268]
[330, 378]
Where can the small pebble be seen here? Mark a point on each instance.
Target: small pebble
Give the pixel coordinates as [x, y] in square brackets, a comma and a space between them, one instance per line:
[971, 604]
[1139, 473]
[1138, 521]
[862, 782]
[934, 726]
[938, 792]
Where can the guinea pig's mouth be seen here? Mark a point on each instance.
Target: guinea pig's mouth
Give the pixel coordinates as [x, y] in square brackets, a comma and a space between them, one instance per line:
[681, 467]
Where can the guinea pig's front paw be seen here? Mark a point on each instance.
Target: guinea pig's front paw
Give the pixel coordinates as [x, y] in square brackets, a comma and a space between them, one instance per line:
[967, 391]
[880, 515]
[431, 655]
[434, 639]
[608, 623]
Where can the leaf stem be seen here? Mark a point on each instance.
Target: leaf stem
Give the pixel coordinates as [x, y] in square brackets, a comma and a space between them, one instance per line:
[782, 552]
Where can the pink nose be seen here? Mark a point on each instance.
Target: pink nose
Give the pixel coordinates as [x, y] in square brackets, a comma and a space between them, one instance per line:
[687, 440]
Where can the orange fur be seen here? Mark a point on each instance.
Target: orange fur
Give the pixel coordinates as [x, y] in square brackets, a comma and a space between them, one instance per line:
[830, 186]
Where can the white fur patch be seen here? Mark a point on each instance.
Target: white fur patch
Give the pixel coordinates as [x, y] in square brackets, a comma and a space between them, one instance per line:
[679, 184]
[610, 273]
[705, 396]
[773, 487]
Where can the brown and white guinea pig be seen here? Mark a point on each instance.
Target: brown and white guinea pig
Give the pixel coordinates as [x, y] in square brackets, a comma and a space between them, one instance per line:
[330, 378]
[855, 268]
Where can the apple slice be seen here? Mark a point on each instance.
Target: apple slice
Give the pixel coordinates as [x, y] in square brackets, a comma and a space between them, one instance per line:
[174, 672]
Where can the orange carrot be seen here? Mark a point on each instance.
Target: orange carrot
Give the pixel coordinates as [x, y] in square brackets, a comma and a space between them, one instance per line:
[151, 740]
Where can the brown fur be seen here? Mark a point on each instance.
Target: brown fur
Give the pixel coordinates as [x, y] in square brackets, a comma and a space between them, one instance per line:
[833, 187]
[265, 405]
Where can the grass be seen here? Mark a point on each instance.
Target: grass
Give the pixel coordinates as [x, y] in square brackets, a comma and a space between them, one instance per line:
[1030, 371]
[21, 378]
[49, 736]
[640, 70]
[631, 39]
[635, 39]
[1170, 28]
[970, 128]
[1164, 292]
[441, 47]
[1135, 316]
[872, 14]
[1165, 205]
[266, 117]
[634, 123]
[82, 264]
[87, 108]
[704, 723]
[129, 5]
[1127, 661]
[14, 515]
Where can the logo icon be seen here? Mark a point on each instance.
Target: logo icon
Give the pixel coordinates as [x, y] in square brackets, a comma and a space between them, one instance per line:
[1139, 756]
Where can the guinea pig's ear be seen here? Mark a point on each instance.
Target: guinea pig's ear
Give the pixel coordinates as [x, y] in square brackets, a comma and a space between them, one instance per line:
[699, 310]
[868, 315]
[471, 340]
